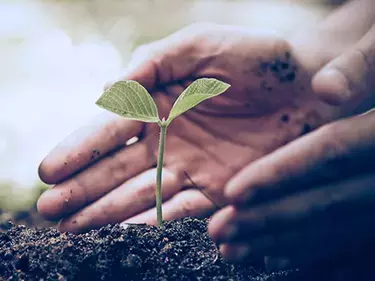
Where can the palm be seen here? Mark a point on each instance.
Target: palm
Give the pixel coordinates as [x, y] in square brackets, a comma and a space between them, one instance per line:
[269, 104]
[258, 114]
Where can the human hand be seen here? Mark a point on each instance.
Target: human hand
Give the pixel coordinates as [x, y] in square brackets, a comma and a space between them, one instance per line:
[311, 200]
[347, 76]
[101, 180]
[313, 167]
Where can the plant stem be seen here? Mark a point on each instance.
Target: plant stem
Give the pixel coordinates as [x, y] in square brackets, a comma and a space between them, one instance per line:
[159, 213]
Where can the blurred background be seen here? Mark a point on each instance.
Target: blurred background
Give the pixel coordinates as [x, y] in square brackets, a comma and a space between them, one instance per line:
[55, 57]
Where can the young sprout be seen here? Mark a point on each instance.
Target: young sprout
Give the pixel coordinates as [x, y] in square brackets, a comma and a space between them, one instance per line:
[131, 100]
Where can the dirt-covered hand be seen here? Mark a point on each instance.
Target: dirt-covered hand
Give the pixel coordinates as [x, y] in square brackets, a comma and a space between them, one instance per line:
[311, 200]
[101, 180]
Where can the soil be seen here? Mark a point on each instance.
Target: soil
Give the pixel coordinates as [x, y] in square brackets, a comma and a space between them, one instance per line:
[180, 250]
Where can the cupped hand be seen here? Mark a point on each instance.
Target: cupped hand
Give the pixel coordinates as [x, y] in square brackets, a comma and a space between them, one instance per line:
[311, 200]
[100, 179]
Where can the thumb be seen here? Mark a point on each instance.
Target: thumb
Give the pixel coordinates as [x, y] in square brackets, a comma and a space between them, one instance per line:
[142, 67]
[170, 59]
[349, 77]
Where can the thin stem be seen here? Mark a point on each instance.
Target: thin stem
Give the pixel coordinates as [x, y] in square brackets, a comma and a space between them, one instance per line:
[163, 132]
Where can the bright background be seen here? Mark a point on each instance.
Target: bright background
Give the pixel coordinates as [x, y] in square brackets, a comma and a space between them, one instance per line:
[55, 56]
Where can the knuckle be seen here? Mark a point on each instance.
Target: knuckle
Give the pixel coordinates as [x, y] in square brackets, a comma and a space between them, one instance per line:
[112, 130]
[187, 208]
[146, 193]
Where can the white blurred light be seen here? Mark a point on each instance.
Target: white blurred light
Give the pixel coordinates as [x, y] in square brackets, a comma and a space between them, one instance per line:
[132, 141]
[3, 145]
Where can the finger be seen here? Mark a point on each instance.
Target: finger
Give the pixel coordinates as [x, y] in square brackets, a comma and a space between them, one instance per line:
[329, 205]
[168, 60]
[129, 199]
[242, 253]
[103, 134]
[188, 203]
[142, 67]
[350, 77]
[95, 181]
[237, 252]
[318, 241]
[336, 150]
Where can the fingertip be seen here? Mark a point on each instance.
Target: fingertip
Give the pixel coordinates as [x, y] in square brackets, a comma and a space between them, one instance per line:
[230, 192]
[234, 194]
[219, 226]
[54, 167]
[50, 204]
[234, 252]
[76, 223]
[43, 206]
[331, 85]
[46, 172]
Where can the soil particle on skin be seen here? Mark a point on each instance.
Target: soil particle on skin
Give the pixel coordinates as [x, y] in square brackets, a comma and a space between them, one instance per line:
[94, 154]
[306, 128]
[180, 250]
[285, 118]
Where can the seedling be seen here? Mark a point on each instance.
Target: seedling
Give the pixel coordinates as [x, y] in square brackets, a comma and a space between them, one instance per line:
[131, 100]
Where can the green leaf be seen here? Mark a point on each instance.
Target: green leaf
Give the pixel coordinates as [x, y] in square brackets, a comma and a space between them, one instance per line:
[130, 100]
[197, 92]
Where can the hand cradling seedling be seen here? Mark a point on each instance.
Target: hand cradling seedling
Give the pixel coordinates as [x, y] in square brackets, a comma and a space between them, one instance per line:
[131, 100]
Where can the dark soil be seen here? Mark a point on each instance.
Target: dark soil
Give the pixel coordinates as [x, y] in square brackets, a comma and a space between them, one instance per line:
[180, 250]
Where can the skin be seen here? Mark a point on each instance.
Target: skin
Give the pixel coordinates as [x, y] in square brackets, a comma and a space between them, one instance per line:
[269, 103]
[311, 200]
[246, 142]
